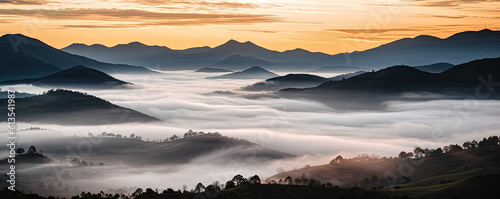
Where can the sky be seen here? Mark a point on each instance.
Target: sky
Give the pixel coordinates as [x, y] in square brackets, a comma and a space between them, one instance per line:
[316, 25]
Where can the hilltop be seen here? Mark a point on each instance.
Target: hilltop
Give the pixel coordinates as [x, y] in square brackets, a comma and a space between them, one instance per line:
[78, 76]
[73, 108]
[255, 72]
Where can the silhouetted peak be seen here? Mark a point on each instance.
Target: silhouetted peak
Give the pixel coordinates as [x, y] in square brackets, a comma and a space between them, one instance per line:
[236, 56]
[426, 37]
[255, 69]
[232, 42]
[22, 39]
[98, 46]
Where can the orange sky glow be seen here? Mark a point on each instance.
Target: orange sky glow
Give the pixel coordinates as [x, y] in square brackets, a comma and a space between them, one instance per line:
[316, 25]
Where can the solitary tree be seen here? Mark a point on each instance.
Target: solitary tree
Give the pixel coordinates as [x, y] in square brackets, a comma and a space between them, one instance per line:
[199, 188]
[288, 180]
[229, 184]
[254, 180]
[32, 150]
[239, 179]
[20, 151]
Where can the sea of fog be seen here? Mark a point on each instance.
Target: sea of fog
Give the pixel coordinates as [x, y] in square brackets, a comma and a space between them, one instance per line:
[316, 133]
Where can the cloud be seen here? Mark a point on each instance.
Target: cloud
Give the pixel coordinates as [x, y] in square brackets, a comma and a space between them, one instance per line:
[197, 4]
[141, 17]
[258, 31]
[448, 3]
[443, 16]
[372, 31]
[24, 2]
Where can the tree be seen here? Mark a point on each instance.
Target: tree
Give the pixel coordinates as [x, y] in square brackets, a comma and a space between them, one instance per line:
[199, 188]
[32, 150]
[20, 151]
[288, 180]
[136, 193]
[418, 152]
[149, 191]
[338, 159]
[365, 182]
[409, 154]
[132, 136]
[239, 179]
[297, 181]
[438, 152]
[403, 155]
[76, 162]
[374, 181]
[174, 137]
[254, 180]
[90, 135]
[229, 184]
[84, 163]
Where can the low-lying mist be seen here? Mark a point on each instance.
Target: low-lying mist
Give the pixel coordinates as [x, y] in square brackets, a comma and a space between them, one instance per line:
[309, 129]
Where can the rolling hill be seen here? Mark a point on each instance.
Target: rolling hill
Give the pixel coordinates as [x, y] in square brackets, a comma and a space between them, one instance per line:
[73, 108]
[29, 159]
[287, 81]
[25, 57]
[219, 149]
[339, 69]
[472, 161]
[435, 68]
[78, 76]
[213, 70]
[369, 90]
[255, 72]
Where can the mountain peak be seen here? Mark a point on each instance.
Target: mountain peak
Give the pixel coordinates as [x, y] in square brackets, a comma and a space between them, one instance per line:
[255, 68]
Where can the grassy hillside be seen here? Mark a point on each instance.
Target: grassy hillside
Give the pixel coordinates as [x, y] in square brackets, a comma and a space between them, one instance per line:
[480, 186]
[140, 153]
[69, 108]
[349, 174]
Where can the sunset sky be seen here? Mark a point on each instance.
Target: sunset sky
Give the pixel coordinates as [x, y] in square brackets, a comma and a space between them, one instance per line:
[315, 25]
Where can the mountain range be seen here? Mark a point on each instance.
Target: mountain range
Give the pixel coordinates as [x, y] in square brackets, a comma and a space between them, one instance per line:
[78, 76]
[25, 57]
[421, 50]
[369, 90]
[73, 108]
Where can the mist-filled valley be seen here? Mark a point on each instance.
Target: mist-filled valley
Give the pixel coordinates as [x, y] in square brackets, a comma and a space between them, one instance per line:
[288, 133]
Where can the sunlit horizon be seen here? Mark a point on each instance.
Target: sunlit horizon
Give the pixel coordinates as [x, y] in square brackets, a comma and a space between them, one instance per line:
[318, 26]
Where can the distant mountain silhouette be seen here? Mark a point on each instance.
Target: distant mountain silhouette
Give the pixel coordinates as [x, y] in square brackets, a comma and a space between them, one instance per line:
[339, 69]
[25, 57]
[4, 94]
[368, 90]
[346, 76]
[78, 76]
[418, 51]
[287, 81]
[213, 70]
[195, 50]
[241, 62]
[435, 68]
[167, 59]
[423, 50]
[73, 108]
[255, 72]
